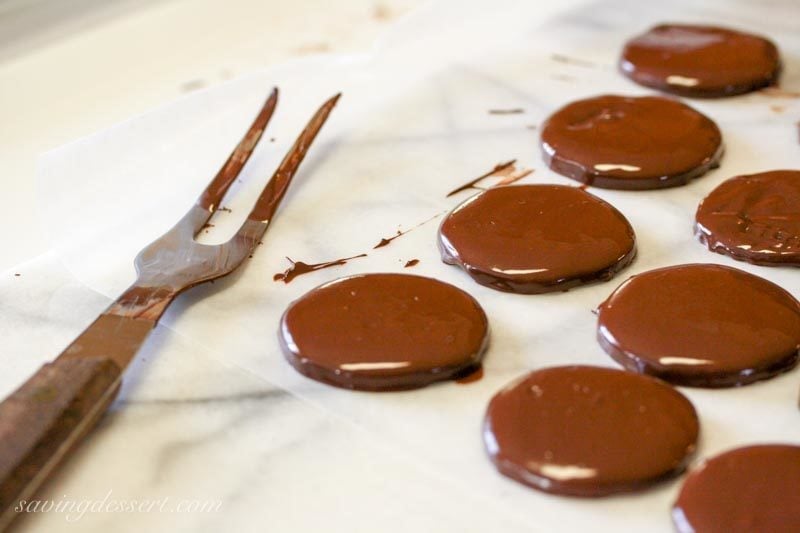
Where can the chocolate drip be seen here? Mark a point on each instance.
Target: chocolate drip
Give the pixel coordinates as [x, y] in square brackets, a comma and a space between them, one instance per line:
[299, 268]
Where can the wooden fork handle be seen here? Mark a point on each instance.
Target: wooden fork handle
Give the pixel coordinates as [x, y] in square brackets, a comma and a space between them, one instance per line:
[45, 419]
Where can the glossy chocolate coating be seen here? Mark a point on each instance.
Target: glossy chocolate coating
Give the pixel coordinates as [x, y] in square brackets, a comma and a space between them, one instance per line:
[384, 332]
[536, 238]
[754, 218]
[589, 431]
[701, 325]
[634, 143]
[700, 61]
[751, 489]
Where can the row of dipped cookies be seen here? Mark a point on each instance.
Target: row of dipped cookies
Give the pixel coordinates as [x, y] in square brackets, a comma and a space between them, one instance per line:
[391, 332]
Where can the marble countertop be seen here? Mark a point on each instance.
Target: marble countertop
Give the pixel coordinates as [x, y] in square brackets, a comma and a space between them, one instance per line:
[213, 430]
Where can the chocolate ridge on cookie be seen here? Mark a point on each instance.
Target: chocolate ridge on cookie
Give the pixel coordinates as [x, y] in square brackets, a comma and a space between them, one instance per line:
[754, 218]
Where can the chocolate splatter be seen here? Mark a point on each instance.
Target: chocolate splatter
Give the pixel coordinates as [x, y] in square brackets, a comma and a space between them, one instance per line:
[193, 85]
[471, 377]
[411, 263]
[387, 240]
[471, 184]
[507, 171]
[299, 268]
[514, 111]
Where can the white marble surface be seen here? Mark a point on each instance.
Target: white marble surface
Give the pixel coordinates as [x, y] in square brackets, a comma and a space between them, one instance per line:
[212, 411]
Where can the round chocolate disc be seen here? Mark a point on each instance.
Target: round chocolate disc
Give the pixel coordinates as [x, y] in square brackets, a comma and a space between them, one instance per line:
[384, 332]
[700, 61]
[536, 238]
[589, 431]
[754, 218]
[751, 489]
[619, 142]
[701, 325]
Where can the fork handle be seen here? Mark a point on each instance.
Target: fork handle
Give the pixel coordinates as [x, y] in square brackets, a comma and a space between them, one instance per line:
[44, 420]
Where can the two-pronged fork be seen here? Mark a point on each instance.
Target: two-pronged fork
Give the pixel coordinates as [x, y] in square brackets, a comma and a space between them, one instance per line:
[43, 420]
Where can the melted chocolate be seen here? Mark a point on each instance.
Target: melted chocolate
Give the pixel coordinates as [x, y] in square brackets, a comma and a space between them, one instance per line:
[754, 218]
[386, 241]
[299, 268]
[635, 143]
[701, 325]
[700, 61]
[500, 167]
[589, 431]
[741, 491]
[411, 263]
[384, 332]
[471, 378]
[536, 238]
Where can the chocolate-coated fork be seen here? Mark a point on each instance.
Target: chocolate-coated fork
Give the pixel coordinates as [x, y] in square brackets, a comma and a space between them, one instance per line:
[43, 420]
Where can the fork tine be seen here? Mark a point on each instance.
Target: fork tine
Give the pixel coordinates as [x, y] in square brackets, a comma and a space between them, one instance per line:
[212, 196]
[273, 192]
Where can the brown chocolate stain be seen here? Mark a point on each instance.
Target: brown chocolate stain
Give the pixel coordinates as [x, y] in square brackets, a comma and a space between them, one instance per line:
[299, 268]
[777, 108]
[382, 13]
[513, 111]
[386, 241]
[507, 171]
[193, 85]
[471, 377]
[411, 263]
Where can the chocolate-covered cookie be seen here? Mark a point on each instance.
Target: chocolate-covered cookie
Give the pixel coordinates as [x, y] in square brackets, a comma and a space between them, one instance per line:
[700, 61]
[384, 332]
[589, 431]
[701, 325]
[536, 238]
[754, 218]
[751, 489]
[622, 142]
